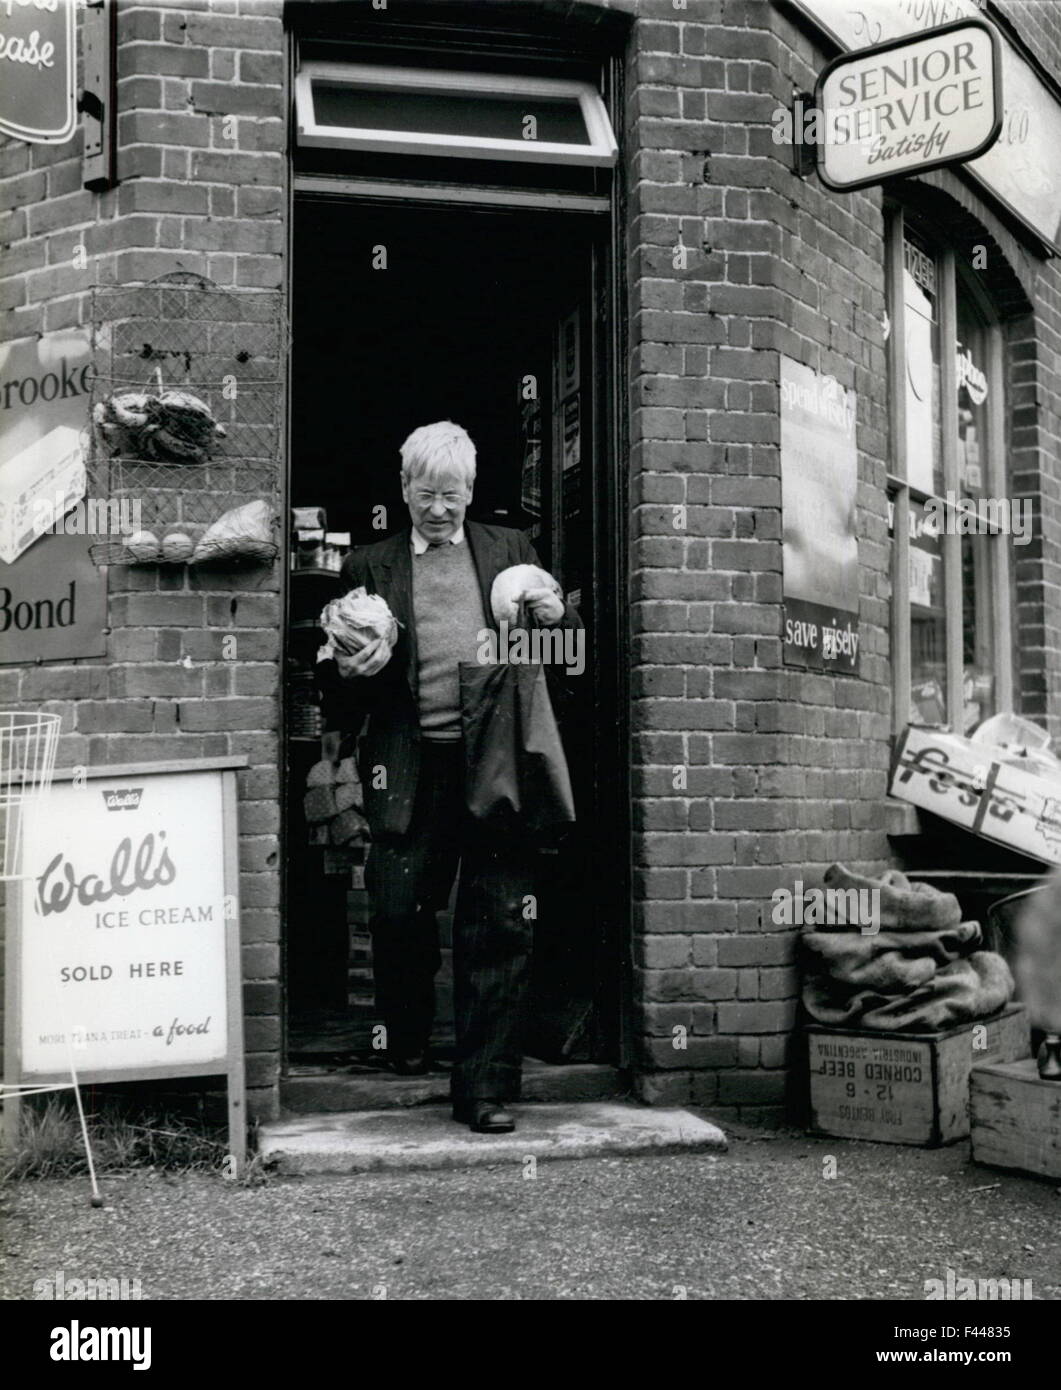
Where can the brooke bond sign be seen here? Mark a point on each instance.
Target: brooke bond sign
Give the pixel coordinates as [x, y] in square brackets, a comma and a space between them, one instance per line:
[38, 59]
[909, 105]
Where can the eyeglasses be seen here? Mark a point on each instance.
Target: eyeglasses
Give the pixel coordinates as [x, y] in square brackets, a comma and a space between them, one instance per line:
[451, 500]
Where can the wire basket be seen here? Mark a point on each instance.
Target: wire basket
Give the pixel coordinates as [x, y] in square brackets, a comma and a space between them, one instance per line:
[28, 744]
[168, 502]
[187, 409]
[191, 328]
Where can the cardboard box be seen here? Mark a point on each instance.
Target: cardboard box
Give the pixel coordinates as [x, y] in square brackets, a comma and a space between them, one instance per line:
[967, 784]
[38, 486]
[905, 1088]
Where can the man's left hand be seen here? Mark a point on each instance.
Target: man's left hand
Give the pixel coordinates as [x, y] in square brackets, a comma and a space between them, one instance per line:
[547, 606]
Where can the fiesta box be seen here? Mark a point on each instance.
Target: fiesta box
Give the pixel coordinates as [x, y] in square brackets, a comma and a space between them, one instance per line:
[905, 1088]
[967, 784]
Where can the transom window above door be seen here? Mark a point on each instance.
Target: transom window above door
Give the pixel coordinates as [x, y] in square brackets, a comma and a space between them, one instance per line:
[465, 115]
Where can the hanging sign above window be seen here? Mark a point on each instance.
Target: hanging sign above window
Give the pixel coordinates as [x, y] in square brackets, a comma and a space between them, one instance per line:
[909, 105]
[38, 59]
[1021, 169]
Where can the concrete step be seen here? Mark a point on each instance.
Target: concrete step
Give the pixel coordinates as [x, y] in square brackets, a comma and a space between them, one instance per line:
[428, 1137]
[309, 1093]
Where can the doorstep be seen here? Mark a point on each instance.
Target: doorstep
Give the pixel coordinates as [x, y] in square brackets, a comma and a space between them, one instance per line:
[313, 1092]
[427, 1137]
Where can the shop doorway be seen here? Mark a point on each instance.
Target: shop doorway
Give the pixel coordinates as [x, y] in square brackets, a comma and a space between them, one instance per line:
[495, 318]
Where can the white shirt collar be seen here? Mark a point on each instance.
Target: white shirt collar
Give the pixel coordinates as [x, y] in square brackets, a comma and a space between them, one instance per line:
[421, 543]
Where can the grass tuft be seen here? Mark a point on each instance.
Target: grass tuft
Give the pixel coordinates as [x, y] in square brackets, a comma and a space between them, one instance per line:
[50, 1144]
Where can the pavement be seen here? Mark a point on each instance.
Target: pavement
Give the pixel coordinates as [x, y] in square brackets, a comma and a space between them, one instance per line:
[780, 1215]
[427, 1137]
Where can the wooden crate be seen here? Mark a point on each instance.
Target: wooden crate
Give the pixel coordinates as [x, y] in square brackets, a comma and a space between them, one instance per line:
[905, 1088]
[1016, 1118]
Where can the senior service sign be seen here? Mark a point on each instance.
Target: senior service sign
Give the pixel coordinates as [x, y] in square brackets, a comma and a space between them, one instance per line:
[909, 105]
[38, 61]
[127, 927]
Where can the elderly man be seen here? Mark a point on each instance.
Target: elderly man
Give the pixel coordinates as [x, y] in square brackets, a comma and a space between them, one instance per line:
[436, 576]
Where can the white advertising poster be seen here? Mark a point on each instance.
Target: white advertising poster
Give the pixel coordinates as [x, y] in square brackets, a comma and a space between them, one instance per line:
[819, 481]
[123, 924]
[1021, 169]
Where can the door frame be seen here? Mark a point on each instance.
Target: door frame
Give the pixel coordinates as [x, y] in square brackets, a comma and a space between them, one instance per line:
[611, 527]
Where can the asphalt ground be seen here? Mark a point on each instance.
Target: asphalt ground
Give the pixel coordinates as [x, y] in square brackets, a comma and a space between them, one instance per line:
[763, 1221]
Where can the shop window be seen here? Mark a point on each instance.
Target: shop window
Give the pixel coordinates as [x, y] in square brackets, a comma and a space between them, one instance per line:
[951, 513]
[466, 115]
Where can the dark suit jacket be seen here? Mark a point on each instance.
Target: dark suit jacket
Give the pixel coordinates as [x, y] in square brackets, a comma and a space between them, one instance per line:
[389, 700]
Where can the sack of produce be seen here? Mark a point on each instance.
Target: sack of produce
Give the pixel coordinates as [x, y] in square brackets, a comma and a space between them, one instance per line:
[172, 427]
[349, 826]
[246, 530]
[348, 794]
[187, 430]
[321, 774]
[318, 804]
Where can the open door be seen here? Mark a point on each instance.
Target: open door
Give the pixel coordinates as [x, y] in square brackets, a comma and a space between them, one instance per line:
[561, 1022]
[490, 318]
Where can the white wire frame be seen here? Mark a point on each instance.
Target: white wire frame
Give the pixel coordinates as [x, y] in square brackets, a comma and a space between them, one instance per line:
[601, 151]
[28, 744]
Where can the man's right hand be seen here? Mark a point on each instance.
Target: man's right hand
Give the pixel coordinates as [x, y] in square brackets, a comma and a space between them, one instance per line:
[370, 660]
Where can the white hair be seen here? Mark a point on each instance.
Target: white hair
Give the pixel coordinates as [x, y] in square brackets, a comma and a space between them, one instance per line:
[432, 451]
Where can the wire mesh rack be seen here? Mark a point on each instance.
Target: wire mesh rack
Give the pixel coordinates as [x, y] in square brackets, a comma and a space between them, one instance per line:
[186, 420]
[28, 743]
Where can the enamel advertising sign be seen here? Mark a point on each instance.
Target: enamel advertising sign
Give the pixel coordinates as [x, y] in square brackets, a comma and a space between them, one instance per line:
[53, 599]
[909, 105]
[38, 59]
[128, 925]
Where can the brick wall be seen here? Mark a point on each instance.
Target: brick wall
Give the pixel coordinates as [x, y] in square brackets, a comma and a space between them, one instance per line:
[201, 134]
[1035, 399]
[783, 772]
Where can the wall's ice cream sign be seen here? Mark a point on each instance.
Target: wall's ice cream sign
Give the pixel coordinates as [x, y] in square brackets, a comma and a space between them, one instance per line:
[910, 105]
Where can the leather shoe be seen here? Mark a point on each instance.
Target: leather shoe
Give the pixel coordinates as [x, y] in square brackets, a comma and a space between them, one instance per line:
[485, 1116]
[417, 1065]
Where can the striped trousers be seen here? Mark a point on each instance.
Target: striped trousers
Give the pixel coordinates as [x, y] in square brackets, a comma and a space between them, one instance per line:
[409, 878]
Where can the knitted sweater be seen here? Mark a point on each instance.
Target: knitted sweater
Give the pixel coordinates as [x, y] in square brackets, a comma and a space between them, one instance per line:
[448, 610]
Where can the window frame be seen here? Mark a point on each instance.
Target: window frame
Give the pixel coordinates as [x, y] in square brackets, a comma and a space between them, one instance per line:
[900, 492]
[602, 150]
